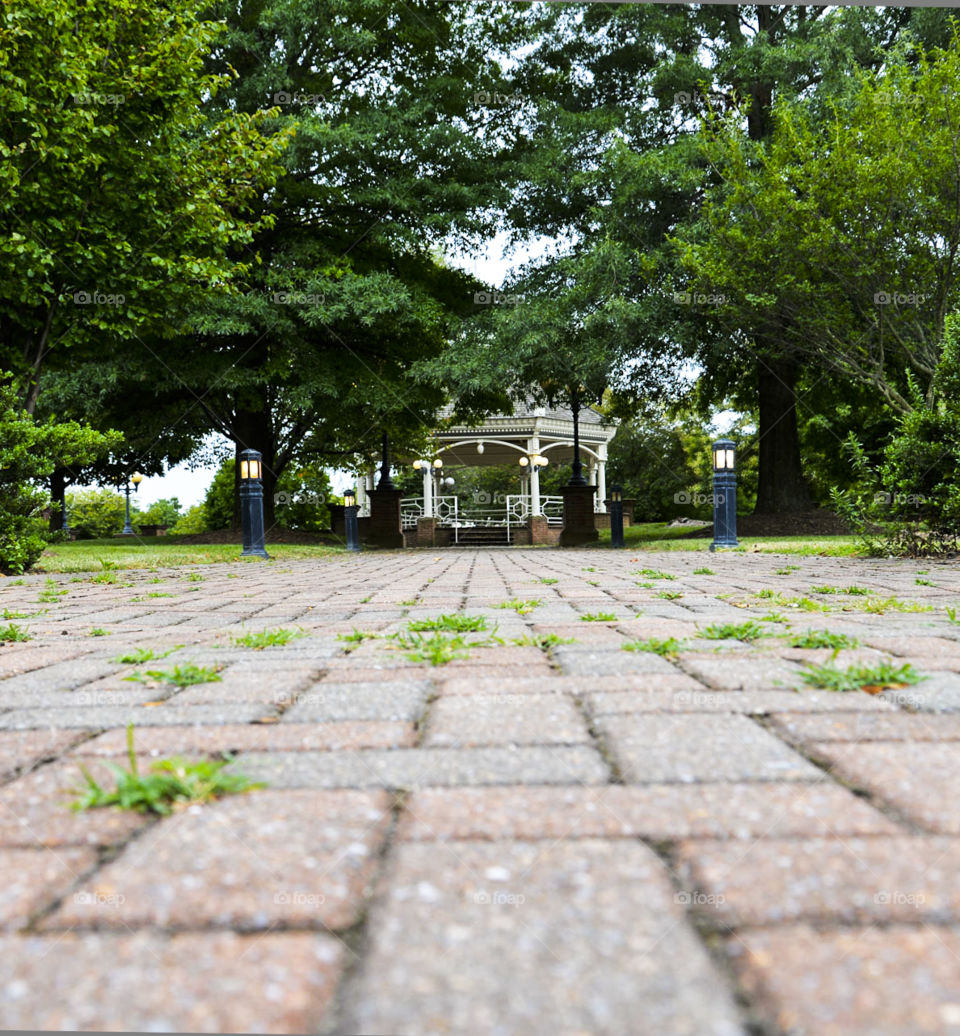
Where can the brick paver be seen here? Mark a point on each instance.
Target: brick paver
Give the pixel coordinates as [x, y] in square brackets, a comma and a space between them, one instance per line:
[567, 838]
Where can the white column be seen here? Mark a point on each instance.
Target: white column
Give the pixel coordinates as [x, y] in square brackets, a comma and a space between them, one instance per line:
[362, 493]
[428, 492]
[601, 486]
[533, 448]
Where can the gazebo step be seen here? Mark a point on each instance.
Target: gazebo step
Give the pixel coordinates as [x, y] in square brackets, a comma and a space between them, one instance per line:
[482, 537]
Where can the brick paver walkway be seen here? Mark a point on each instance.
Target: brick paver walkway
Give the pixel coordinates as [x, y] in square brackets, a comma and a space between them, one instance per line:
[570, 839]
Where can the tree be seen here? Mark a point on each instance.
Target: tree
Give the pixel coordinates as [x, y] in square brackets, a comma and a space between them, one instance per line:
[613, 158]
[393, 160]
[120, 200]
[97, 513]
[29, 451]
[839, 237]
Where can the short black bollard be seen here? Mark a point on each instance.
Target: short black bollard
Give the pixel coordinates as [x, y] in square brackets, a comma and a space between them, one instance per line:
[251, 505]
[616, 516]
[724, 494]
[350, 524]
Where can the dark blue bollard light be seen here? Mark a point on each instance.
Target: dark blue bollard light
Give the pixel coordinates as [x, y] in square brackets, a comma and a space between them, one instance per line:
[616, 516]
[251, 504]
[724, 494]
[350, 524]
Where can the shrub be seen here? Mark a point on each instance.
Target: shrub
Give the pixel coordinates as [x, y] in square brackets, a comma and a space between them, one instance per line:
[192, 521]
[29, 452]
[95, 513]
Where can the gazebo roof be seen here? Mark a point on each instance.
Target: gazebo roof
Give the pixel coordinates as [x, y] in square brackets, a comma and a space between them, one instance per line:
[506, 437]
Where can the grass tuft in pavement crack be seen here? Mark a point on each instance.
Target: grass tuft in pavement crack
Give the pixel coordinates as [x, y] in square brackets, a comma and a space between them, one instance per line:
[267, 638]
[823, 639]
[872, 679]
[456, 623]
[745, 631]
[170, 783]
[668, 647]
[181, 675]
[12, 632]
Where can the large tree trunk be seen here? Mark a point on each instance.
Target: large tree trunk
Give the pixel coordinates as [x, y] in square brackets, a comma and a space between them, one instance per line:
[781, 487]
[254, 430]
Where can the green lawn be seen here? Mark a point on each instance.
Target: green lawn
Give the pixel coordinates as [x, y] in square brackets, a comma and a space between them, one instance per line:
[158, 552]
[659, 536]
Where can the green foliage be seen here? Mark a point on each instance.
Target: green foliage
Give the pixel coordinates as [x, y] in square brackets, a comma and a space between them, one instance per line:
[267, 638]
[544, 641]
[170, 782]
[220, 504]
[704, 572]
[823, 639]
[668, 647]
[137, 656]
[873, 678]
[438, 649]
[456, 623]
[12, 632]
[133, 199]
[521, 607]
[670, 595]
[598, 617]
[96, 513]
[29, 451]
[162, 512]
[192, 521]
[180, 676]
[745, 631]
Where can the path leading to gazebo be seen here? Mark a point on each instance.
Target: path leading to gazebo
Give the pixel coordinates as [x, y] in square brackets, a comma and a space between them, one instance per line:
[539, 837]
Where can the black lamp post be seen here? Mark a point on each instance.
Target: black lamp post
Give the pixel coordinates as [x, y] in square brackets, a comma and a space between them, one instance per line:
[724, 494]
[386, 482]
[251, 504]
[133, 484]
[576, 469]
[616, 516]
[350, 525]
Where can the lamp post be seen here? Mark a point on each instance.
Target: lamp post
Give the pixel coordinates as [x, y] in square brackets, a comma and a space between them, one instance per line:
[576, 469]
[350, 525]
[724, 494]
[616, 516]
[133, 484]
[386, 482]
[251, 504]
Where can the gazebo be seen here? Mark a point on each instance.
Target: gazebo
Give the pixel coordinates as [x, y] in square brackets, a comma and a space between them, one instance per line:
[531, 437]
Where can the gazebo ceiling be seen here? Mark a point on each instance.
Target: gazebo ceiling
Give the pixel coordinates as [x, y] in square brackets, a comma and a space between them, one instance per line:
[504, 438]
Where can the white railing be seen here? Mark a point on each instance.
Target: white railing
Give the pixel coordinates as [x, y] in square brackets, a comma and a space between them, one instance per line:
[514, 514]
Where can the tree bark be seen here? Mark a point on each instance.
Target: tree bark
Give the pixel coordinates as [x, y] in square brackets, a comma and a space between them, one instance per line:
[781, 487]
[254, 429]
[58, 498]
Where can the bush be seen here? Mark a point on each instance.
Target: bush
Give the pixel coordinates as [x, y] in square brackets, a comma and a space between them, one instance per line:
[96, 513]
[910, 504]
[193, 521]
[29, 452]
[300, 501]
[220, 501]
[163, 512]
